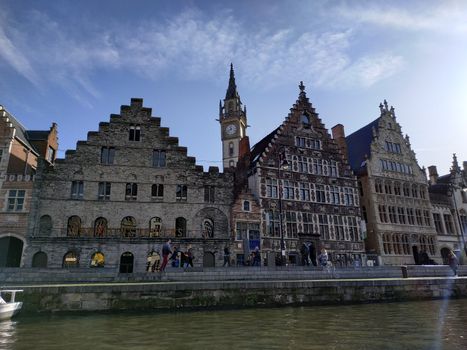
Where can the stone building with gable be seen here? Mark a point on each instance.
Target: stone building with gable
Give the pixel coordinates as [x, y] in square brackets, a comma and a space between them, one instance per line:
[303, 192]
[448, 195]
[121, 194]
[20, 150]
[393, 191]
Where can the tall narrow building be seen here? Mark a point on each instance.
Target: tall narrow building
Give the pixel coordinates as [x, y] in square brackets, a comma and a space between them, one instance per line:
[393, 192]
[306, 191]
[232, 118]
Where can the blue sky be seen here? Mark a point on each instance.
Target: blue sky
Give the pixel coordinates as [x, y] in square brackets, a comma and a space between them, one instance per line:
[76, 62]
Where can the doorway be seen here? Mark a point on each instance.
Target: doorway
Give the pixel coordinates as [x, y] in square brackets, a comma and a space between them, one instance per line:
[11, 250]
[209, 260]
[415, 254]
[126, 262]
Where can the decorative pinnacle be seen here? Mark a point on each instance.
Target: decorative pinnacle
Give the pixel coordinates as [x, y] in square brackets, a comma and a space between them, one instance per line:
[301, 87]
[232, 89]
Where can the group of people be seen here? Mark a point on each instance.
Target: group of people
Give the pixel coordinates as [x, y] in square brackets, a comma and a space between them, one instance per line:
[179, 258]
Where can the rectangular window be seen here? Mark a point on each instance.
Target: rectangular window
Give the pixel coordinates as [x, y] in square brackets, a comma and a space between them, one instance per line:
[77, 188]
[437, 221]
[448, 223]
[104, 191]
[1, 155]
[339, 227]
[323, 226]
[320, 194]
[271, 187]
[401, 213]
[317, 166]
[307, 223]
[291, 224]
[353, 228]
[383, 217]
[289, 189]
[348, 196]
[16, 200]
[131, 191]
[410, 216]
[107, 155]
[135, 132]
[158, 158]
[181, 193]
[305, 142]
[418, 215]
[335, 198]
[302, 165]
[304, 191]
[426, 218]
[157, 191]
[392, 214]
[209, 194]
[333, 169]
[242, 230]
[272, 223]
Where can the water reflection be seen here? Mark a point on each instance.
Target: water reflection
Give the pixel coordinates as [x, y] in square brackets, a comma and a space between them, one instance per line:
[7, 333]
[414, 325]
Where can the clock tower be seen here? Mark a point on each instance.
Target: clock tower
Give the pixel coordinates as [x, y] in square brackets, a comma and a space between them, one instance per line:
[232, 118]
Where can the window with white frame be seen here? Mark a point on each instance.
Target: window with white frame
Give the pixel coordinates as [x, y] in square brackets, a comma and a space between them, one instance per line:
[104, 190]
[307, 219]
[333, 168]
[304, 191]
[271, 187]
[335, 197]
[16, 200]
[272, 223]
[291, 224]
[289, 189]
[320, 194]
[181, 193]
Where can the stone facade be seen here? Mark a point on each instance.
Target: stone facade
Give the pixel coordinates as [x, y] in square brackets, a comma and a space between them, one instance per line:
[20, 150]
[306, 191]
[122, 193]
[393, 192]
[449, 204]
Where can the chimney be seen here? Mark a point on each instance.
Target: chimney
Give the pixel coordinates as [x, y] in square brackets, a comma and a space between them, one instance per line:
[433, 174]
[338, 134]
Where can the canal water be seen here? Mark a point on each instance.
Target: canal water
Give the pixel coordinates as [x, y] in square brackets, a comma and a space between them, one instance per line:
[438, 324]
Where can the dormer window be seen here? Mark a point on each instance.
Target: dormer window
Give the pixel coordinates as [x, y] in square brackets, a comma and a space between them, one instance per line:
[135, 132]
[246, 206]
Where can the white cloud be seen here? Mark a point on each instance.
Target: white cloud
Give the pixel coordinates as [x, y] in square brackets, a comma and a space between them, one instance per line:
[192, 47]
[11, 54]
[447, 17]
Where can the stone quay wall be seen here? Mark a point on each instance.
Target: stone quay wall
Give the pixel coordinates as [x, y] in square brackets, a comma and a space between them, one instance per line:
[232, 288]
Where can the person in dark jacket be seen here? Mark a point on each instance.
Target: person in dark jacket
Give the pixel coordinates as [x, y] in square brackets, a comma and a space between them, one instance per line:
[189, 257]
[226, 256]
[256, 257]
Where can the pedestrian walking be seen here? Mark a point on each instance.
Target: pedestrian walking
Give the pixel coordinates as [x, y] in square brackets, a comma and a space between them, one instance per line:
[189, 257]
[256, 257]
[304, 252]
[453, 262]
[166, 251]
[226, 256]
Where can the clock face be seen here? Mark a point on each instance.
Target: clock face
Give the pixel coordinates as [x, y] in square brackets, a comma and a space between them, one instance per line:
[231, 129]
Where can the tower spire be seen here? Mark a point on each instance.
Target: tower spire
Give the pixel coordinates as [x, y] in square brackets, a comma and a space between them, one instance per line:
[232, 89]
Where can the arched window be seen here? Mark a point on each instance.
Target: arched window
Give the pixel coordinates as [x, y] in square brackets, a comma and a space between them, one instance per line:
[128, 227]
[74, 226]
[378, 187]
[39, 260]
[405, 244]
[180, 227]
[100, 227]
[305, 119]
[208, 228]
[97, 260]
[231, 149]
[246, 206]
[397, 188]
[388, 187]
[155, 227]
[71, 259]
[406, 189]
[45, 225]
[415, 191]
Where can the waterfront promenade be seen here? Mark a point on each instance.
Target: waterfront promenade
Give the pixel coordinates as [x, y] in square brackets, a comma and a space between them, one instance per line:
[90, 290]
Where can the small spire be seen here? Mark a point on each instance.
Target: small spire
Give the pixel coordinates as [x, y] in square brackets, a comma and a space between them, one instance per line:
[385, 105]
[232, 89]
[381, 108]
[220, 107]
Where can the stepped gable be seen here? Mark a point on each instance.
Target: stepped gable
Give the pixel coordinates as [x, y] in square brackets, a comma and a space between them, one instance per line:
[21, 132]
[114, 133]
[316, 128]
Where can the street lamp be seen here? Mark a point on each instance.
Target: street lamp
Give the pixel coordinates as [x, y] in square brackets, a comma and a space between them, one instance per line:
[451, 191]
[282, 165]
